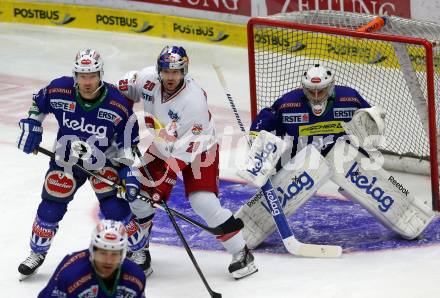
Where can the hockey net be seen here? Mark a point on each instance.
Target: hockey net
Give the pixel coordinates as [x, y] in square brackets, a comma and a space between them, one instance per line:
[396, 67]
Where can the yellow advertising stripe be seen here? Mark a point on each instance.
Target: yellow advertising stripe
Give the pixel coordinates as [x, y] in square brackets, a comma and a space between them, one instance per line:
[327, 127]
[296, 43]
[205, 31]
[116, 20]
[332, 47]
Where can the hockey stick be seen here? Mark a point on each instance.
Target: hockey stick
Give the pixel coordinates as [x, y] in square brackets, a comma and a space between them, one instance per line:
[293, 245]
[408, 72]
[178, 231]
[215, 231]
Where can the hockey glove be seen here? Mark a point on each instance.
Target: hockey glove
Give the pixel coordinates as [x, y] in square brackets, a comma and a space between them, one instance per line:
[130, 180]
[164, 180]
[30, 136]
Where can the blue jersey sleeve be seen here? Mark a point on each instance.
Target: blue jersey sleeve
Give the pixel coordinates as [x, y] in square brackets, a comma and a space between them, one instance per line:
[265, 120]
[54, 287]
[40, 104]
[364, 104]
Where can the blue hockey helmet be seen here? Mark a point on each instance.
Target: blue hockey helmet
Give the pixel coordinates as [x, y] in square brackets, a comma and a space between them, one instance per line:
[172, 57]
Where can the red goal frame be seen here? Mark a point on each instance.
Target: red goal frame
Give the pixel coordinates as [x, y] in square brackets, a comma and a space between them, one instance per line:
[374, 36]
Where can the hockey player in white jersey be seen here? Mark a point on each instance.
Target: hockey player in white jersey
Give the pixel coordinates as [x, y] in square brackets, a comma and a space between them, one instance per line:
[185, 142]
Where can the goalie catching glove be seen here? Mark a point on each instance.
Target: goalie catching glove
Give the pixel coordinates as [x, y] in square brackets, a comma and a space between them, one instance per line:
[368, 126]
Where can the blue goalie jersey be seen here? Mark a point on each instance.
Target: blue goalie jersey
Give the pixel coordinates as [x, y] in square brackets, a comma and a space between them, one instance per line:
[76, 277]
[101, 124]
[292, 116]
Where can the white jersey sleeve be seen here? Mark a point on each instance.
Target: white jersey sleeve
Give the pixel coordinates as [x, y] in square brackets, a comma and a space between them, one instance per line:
[132, 83]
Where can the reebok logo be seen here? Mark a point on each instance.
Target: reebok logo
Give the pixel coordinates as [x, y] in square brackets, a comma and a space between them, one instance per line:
[398, 185]
[99, 131]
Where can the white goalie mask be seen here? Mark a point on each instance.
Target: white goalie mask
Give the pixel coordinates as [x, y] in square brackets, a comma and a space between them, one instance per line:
[88, 61]
[318, 85]
[109, 235]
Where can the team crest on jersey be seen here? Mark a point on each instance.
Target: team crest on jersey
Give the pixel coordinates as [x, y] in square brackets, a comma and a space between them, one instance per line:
[59, 184]
[62, 104]
[91, 292]
[343, 112]
[109, 116]
[295, 117]
[173, 115]
[102, 187]
[197, 129]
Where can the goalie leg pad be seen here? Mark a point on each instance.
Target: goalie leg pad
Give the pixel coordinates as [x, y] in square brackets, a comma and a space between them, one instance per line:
[377, 191]
[294, 184]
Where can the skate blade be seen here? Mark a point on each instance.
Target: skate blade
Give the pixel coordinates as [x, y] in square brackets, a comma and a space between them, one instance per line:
[251, 268]
[23, 277]
[148, 272]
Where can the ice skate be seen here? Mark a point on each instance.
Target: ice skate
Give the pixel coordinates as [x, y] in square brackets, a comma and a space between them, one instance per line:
[30, 266]
[143, 259]
[242, 264]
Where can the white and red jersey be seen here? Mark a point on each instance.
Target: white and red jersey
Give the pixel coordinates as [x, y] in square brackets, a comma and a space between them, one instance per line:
[183, 124]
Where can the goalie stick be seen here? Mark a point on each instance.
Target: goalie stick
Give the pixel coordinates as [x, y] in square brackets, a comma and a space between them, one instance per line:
[292, 245]
[215, 231]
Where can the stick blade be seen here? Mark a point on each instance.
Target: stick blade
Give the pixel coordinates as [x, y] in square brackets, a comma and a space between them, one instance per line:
[300, 249]
[216, 295]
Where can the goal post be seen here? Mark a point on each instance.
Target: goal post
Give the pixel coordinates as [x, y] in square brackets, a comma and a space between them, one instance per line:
[397, 67]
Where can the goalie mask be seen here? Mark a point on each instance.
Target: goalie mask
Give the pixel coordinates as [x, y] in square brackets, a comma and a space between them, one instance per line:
[88, 61]
[172, 57]
[318, 85]
[109, 235]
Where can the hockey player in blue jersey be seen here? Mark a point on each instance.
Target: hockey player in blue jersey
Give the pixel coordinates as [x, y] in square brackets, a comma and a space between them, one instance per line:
[313, 113]
[335, 135]
[96, 129]
[102, 271]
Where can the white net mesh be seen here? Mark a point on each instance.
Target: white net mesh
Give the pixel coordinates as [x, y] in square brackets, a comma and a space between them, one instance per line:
[370, 66]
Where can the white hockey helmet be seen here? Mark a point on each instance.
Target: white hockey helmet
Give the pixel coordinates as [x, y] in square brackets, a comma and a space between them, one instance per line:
[318, 85]
[87, 61]
[109, 235]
